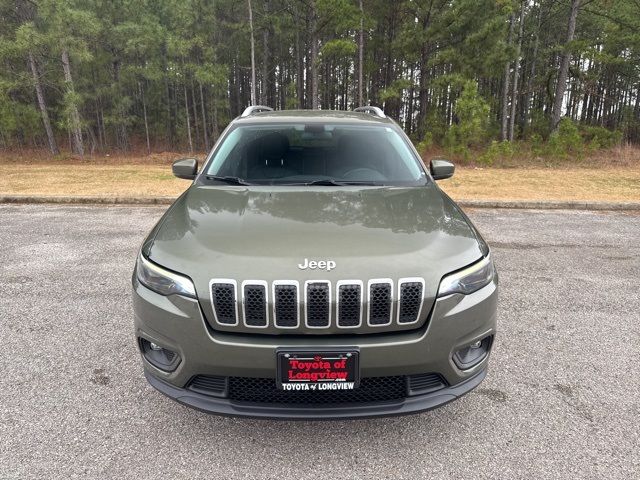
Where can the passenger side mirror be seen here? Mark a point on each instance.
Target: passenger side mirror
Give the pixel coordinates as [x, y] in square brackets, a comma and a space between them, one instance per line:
[186, 168]
[441, 169]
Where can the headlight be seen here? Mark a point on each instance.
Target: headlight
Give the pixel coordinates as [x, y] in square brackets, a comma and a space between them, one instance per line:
[163, 281]
[468, 280]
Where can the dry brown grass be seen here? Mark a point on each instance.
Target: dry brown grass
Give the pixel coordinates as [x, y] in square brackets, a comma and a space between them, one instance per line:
[101, 180]
[43, 157]
[611, 184]
[615, 177]
[624, 156]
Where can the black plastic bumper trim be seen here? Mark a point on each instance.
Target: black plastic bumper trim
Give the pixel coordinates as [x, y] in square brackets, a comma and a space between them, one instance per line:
[222, 406]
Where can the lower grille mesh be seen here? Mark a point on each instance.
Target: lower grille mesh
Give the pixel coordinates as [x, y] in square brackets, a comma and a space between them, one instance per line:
[264, 390]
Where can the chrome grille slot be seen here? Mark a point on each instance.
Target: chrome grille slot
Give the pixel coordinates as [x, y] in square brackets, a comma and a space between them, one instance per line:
[410, 300]
[318, 304]
[349, 304]
[223, 299]
[255, 305]
[285, 304]
[380, 300]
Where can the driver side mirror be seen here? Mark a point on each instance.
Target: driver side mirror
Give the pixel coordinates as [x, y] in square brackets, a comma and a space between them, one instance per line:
[186, 168]
[441, 169]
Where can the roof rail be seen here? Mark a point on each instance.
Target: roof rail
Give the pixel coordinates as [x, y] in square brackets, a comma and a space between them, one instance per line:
[255, 109]
[375, 111]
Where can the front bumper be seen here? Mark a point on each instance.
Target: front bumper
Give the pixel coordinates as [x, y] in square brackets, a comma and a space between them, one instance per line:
[223, 406]
[177, 323]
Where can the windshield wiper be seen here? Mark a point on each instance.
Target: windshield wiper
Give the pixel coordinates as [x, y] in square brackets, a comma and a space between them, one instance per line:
[338, 183]
[324, 181]
[229, 180]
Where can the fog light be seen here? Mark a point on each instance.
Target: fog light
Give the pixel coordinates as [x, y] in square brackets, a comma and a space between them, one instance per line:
[158, 356]
[469, 356]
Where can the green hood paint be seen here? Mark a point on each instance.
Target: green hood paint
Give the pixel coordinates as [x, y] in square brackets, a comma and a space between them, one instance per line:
[263, 233]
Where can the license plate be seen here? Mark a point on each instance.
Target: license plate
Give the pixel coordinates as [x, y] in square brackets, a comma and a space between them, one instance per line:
[318, 371]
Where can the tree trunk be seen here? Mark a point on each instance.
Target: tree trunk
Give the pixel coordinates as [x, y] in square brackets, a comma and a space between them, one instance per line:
[587, 90]
[516, 71]
[505, 88]
[423, 93]
[409, 116]
[423, 88]
[194, 106]
[267, 84]
[283, 83]
[53, 146]
[561, 85]
[167, 94]
[205, 133]
[99, 127]
[104, 128]
[214, 121]
[313, 25]
[532, 72]
[265, 68]
[186, 113]
[76, 127]
[122, 138]
[144, 113]
[253, 56]
[360, 56]
[299, 73]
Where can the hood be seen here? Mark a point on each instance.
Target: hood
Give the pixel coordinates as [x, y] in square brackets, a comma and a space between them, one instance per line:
[263, 233]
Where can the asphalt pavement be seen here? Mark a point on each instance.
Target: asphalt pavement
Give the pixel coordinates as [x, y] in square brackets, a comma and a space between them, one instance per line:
[562, 398]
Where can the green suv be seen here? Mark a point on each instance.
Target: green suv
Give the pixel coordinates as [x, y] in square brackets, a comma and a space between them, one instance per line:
[314, 269]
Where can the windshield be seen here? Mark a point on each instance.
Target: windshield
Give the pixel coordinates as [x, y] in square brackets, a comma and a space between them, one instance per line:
[320, 154]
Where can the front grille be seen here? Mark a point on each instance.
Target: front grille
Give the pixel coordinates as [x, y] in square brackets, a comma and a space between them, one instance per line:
[379, 303]
[349, 305]
[223, 296]
[318, 304]
[410, 301]
[286, 305]
[255, 305]
[265, 391]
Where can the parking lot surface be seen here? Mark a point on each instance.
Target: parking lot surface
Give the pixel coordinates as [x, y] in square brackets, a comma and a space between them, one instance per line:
[562, 398]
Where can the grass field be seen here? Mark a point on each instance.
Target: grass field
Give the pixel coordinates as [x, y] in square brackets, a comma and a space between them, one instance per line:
[31, 174]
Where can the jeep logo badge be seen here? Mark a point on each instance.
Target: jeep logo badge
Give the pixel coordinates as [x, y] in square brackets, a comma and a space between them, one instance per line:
[327, 265]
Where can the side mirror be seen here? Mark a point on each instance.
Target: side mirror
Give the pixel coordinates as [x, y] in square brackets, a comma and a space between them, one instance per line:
[186, 168]
[441, 169]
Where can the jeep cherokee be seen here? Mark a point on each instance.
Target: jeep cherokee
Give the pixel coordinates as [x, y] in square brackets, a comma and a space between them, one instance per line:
[314, 269]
